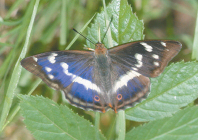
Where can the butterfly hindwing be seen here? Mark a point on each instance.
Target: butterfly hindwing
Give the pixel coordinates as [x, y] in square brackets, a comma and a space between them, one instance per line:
[71, 72]
[128, 87]
[149, 58]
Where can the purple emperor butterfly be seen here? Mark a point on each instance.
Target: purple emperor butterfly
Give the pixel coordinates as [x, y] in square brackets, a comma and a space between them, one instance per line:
[104, 78]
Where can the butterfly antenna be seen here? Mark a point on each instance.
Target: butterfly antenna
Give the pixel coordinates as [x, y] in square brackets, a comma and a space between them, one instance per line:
[83, 36]
[107, 28]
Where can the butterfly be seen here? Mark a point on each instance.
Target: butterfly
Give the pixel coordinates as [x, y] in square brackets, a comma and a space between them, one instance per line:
[104, 78]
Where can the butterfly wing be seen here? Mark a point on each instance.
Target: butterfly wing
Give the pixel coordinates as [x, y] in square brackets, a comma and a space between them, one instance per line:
[69, 71]
[133, 63]
[148, 58]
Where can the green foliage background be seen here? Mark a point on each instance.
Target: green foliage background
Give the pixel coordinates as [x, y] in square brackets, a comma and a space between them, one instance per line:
[31, 27]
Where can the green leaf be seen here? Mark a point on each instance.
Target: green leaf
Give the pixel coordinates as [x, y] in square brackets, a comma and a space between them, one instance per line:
[176, 87]
[183, 125]
[125, 26]
[47, 120]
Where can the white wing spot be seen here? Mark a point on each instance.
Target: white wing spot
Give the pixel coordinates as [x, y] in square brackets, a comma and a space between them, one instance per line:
[35, 59]
[163, 44]
[139, 58]
[48, 69]
[54, 54]
[175, 97]
[139, 64]
[51, 58]
[50, 76]
[86, 83]
[123, 80]
[147, 47]
[134, 68]
[156, 63]
[155, 56]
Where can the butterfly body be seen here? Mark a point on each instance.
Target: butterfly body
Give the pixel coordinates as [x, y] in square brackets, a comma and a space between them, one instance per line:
[104, 78]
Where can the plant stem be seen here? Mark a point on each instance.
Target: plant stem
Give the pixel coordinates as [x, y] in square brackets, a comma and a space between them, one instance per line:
[195, 42]
[121, 125]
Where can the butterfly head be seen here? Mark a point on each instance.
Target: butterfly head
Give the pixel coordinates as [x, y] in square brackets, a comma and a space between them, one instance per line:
[100, 49]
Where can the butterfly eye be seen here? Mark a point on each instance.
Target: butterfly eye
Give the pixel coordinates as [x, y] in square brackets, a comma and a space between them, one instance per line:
[96, 98]
[119, 96]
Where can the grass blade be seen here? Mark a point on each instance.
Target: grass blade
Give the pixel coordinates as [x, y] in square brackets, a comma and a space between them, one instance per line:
[63, 26]
[76, 37]
[16, 73]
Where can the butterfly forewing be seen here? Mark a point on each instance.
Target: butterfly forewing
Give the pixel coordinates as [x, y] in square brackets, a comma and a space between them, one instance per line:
[148, 58]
